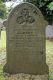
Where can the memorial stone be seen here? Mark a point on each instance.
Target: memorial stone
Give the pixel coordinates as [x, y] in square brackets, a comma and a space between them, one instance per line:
[25, 32]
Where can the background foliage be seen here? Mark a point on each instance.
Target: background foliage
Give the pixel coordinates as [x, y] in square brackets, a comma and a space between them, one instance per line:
[46, 7]
[2, 10]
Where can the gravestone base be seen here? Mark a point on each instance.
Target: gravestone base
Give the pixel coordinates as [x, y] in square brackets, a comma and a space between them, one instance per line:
[36, 70]
[23, 76]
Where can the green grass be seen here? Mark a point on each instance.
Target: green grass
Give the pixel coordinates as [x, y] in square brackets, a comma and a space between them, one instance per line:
[2, 48]
[1, 73]
[49, 55]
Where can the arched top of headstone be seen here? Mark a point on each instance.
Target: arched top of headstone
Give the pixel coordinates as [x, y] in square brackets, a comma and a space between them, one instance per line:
[26, 12]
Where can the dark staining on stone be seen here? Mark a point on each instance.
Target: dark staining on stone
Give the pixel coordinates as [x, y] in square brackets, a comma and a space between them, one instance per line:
[25, 12]
[41, 52]
[12, 14]
[25, 17]
[20, 19]
[35, 11]
[31, 19]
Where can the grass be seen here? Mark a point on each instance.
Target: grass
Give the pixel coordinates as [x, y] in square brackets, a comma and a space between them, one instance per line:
[49, 55]
[1, 73]
[2, 48]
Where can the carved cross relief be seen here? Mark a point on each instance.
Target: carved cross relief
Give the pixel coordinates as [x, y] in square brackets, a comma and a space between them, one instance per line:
[25, 17]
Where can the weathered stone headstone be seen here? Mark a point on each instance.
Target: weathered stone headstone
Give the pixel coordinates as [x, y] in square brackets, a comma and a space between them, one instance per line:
[26, 41]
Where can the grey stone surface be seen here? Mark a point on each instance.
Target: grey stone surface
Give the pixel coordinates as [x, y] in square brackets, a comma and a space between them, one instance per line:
[26, 41]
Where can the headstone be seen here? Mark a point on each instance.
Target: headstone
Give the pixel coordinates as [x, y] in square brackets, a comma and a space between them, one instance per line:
[25, 32]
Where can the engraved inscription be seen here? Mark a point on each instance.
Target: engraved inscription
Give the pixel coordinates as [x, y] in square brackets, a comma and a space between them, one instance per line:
[25, 17]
